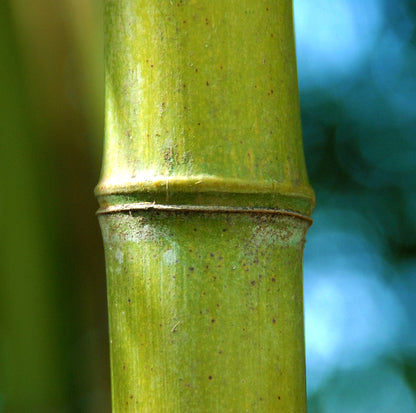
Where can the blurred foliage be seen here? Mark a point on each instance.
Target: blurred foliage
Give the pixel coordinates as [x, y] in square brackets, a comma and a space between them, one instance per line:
[356, 63]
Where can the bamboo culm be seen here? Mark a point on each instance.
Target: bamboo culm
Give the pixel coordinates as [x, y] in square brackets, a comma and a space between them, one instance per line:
[204, 207]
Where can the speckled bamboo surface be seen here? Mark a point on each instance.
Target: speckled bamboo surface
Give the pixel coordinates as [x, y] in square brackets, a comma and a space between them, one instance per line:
[204, 207]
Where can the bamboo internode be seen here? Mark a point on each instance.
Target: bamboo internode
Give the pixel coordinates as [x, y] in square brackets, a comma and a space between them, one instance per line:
[204, 206]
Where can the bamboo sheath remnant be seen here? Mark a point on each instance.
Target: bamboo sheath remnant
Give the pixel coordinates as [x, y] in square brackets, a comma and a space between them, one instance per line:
[198, 208]
[204, 207]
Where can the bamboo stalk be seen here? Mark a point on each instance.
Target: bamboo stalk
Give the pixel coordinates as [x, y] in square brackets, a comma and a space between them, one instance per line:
[204, 205]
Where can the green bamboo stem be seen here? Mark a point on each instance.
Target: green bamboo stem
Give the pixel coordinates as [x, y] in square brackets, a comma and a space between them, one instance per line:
[32, 368]
[204, 206]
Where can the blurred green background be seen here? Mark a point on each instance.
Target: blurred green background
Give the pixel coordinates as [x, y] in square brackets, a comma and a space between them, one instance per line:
[357, 75]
